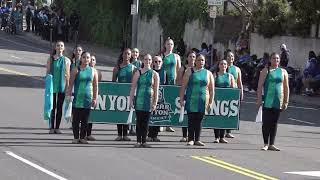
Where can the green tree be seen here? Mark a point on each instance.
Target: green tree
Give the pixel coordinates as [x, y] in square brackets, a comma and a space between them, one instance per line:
[174, 14]
[271, 18]
[105, 22]
[303, 14]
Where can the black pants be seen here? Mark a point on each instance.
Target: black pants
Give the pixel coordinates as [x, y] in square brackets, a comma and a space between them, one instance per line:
[122, 129]
[80, 116]
[153, 131]
[184, 132]
[58, 99]
[228, 130]
[270, 118]
[28, 21]
[143, 118]
[194, 125]
[219, 133]
[89, 129]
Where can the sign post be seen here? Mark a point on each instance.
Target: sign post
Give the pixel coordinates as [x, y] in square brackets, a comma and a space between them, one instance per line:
[213, 14]
[135, 20]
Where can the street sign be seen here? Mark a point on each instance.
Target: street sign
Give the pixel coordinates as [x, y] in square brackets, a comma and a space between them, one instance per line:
[134, 9]
[213, 11]
[215, 2]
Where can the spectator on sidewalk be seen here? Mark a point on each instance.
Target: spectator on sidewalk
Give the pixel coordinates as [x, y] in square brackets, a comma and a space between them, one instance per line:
[311, 73]
[181, 48]
[273, 81]
[74, 21]
[61, 26]
[29, 15]
[284, 56]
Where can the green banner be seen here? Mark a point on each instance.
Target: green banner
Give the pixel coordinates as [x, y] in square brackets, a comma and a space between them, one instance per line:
[113, 107]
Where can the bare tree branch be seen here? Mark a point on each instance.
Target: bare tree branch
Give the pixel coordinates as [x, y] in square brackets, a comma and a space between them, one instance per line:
[239, 4]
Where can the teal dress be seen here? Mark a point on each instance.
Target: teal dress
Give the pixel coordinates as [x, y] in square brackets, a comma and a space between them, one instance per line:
[233, 70]
[144, 95]
[83, 88]
[137, 63]
[197, 94]
[58, 72]
[76, 64]
[273, 89]
[169, 66]
[223, 81]
[125, 73]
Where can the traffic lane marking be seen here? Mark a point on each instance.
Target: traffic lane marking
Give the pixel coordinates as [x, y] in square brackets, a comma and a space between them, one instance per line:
[297, 120]
[19, 73]
[305, 173]
[296, 107]
[34, 165]
[234, 168]
[15, 57]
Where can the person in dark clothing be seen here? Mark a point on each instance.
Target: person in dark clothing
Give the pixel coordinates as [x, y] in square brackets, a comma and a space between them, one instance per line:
[181, 48]
[157, 67]
[28, 18]
[74, 21]
[284, 56]
[311, 73]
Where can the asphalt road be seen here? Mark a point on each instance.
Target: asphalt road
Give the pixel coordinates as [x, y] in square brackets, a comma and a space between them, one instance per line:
[27, 151]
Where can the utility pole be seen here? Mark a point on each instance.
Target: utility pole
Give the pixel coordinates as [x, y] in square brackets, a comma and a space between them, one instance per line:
[135, 20]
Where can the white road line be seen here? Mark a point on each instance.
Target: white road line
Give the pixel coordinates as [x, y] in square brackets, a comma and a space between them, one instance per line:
[35, 166]
[306, 108]
[306, 122]
[296, 107]
[306, 173]
[15, 57]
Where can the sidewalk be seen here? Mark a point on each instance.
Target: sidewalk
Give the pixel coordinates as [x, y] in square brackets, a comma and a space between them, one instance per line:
[105, 56]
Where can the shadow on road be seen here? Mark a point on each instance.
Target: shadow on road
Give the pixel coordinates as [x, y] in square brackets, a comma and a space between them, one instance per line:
[19, 81]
